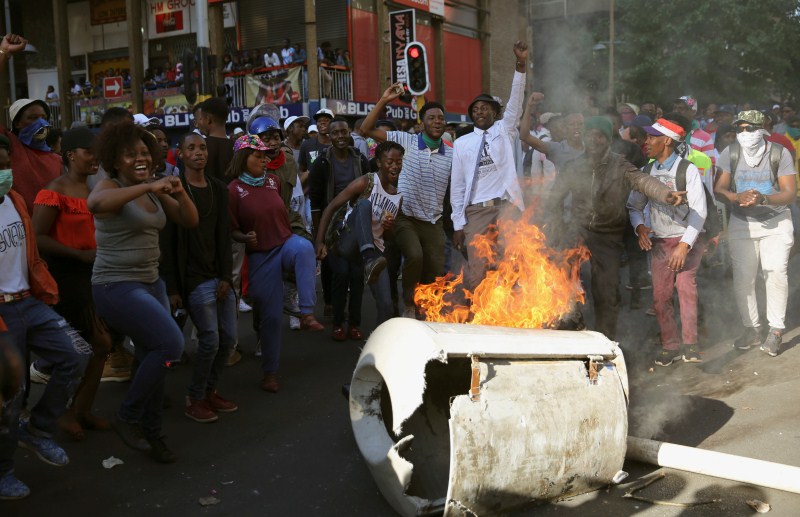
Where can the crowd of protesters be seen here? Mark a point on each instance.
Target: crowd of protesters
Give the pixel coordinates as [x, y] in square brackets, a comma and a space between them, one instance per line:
[138, 236]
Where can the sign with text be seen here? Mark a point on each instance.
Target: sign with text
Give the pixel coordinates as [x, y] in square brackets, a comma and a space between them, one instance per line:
[107, 11]
[361, 109]
[401, 33]
[431, 6]
[166, 18]
[112, 87]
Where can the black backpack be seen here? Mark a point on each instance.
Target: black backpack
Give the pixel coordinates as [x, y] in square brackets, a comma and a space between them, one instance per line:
[713, 223]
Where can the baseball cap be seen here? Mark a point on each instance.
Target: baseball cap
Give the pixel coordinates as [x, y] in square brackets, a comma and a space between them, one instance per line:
[140, 119]
[639, 121]
[313, 129]
[664, 127]
[776, 106]
[324, 112]
[750, 117]
[633, 107]
[20, 105]
[690, 101]
[249, 142]
[544, 118]
[289, 121]
[78, 138]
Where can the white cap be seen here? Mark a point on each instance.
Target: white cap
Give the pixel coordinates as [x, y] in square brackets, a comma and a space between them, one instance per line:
[143, 120]
[323, 111]
[238, 131]
[288, 122]
[313, 129]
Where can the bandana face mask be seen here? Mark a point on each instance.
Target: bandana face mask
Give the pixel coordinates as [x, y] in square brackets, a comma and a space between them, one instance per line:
[34, 135]
[6, 179]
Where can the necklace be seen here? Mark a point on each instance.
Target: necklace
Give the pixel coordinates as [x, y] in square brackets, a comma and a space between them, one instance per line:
[210, 205]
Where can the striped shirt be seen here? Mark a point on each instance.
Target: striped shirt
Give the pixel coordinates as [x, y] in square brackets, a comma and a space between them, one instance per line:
[701, 141]
[425, 175]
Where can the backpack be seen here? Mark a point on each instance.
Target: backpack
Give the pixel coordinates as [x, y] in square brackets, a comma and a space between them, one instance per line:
[775, 151]
[713, 222]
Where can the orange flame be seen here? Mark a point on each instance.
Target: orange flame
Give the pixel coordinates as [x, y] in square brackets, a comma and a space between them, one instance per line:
[527, 285]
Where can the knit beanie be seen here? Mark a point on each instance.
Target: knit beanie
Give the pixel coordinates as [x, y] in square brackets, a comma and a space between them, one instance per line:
[601, 124]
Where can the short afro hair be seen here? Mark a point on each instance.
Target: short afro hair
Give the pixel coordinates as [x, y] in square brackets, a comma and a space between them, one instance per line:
[115, 139]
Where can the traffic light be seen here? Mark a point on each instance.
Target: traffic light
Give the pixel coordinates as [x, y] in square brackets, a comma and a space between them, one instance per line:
[189, 80]
[417, 66]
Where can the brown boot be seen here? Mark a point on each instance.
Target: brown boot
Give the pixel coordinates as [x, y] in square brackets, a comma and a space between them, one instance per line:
[270, 383]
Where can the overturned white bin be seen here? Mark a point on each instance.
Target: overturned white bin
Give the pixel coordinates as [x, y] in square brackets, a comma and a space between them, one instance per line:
[477, 420]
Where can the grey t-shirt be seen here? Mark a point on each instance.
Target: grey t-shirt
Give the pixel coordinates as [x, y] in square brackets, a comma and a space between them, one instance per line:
[127, 244]
[560, 153]
[759, 178]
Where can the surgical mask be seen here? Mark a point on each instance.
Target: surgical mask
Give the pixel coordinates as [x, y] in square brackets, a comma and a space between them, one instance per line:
[33, 135]
[793, 132]
[6, 180]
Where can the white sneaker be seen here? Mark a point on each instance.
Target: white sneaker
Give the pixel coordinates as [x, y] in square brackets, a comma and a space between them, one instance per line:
[243, 306]
[38, 376]
[294, 323]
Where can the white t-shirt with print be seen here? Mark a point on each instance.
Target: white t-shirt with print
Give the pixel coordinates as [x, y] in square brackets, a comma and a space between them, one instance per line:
[13, 256]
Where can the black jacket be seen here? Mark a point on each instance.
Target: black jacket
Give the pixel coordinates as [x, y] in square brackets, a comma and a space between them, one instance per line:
[320, 178]
[174, 243]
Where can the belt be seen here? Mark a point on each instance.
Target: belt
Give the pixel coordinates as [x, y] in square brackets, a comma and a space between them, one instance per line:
[14, 297]
[492, 202]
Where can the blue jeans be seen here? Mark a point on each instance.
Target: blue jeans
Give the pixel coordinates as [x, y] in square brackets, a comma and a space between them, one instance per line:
[216, 334]
[355, 238]
[265, 277]
[141, 311]
[33, 326]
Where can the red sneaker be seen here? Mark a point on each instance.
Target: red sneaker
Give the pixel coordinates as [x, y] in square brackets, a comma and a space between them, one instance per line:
[355, 333]
[310, 323]
[338, 334]
[219, 404]
[199, 411]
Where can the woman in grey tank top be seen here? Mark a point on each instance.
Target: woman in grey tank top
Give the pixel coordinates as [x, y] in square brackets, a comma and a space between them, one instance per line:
[130, 209]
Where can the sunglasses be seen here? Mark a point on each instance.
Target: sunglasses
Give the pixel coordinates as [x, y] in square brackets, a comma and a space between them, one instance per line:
[749, 129]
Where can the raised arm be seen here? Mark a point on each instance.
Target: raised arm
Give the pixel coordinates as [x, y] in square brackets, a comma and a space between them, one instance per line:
[368, 126]
[514, 107]
[525, 135]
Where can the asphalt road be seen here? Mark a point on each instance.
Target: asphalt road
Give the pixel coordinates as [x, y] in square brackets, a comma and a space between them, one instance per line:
[293, 453]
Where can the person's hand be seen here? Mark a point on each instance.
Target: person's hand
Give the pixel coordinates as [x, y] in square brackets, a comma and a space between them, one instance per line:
[223, 287]
[748, 198]
[678, 258]
[535, 98]
[392, 92]
[176, 185]
[458, 239]
[643, 232]
[162, 185]
[13, 43]
[322, 251]
[387, 221]
[87, 256]
[175, 302]
[521, 51]
[676, 198]
[250, 239]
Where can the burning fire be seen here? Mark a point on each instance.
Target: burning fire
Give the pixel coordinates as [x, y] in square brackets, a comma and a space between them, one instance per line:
[527, 285]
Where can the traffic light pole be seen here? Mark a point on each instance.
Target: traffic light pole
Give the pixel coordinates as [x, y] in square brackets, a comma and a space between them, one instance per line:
[201, 13]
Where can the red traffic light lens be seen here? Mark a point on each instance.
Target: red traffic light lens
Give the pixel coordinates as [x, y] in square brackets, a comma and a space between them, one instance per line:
[413, 52]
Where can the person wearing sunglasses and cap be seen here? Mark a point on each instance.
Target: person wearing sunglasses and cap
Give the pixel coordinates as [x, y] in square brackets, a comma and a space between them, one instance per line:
[758, 180]
[35, 165]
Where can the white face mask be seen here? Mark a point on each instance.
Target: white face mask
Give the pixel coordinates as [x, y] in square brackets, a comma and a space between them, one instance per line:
[751, 141]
